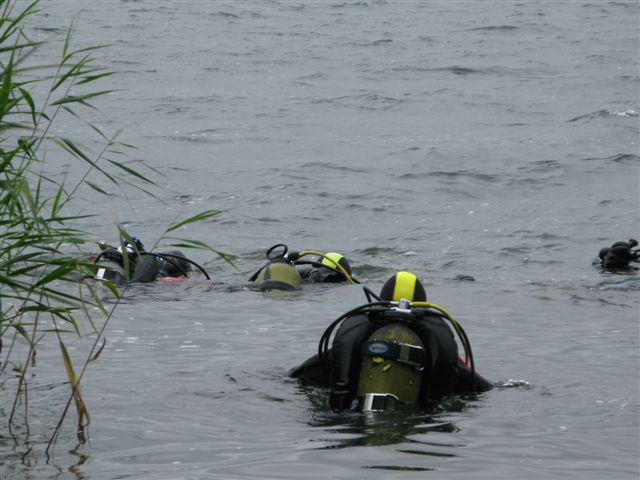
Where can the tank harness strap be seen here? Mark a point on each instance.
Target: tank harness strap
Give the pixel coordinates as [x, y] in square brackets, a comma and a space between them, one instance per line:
[404, 353]
[276, 285]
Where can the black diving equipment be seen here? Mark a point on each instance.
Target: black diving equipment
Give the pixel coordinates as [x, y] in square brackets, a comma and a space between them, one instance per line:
[619, 255]
[388, 355]
[333, 267]
[132, 263]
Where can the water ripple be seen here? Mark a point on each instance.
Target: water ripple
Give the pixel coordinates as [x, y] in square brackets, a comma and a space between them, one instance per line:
[605, 114]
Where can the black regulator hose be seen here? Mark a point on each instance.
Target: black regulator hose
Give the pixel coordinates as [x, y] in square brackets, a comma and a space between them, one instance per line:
[105, 253]
[323, 344]
[272, 256]
[167, 256]
[160, 256]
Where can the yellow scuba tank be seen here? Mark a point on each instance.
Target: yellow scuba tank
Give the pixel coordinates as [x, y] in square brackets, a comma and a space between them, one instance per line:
[278, 277]
[391, 372]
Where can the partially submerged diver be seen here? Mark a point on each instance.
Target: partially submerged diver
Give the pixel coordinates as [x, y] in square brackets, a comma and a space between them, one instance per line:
[131, 263]
[619, 255]
[312, 266]
[398, 350]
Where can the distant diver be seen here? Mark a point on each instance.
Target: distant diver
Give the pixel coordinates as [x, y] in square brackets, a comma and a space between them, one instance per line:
[131, 263]
[276, 277]
[312, 266]
[619, 255]
[396, 350]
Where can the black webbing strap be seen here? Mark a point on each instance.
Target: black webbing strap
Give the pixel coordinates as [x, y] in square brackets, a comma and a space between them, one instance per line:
[402, 352]
[276, 285]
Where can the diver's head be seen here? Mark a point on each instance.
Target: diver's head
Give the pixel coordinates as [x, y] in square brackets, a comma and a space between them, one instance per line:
[336, 263]
[329, 267]
[277, 277]
[332, 258]
[403, 285]
[603, 253]
[393, 359]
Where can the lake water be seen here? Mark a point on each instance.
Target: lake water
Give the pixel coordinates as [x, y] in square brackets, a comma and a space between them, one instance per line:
[494, 139]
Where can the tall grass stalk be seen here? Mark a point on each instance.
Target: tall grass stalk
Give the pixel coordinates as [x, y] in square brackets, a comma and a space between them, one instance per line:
[44, 293]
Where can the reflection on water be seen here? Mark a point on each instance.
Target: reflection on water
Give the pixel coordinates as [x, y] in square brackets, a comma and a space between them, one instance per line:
[384, 428]
[387, 427]
[19, 455]
[408, 428]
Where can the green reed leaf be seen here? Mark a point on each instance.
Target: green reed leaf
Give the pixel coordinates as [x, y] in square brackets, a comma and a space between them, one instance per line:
[80, 98]
[195, 218]
[131, 171]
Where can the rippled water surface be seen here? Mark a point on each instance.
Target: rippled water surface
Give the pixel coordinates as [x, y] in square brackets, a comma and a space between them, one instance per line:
[497, 140]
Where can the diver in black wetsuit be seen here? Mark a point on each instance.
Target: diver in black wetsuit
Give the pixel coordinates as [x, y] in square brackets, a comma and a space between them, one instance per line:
[131, 263]
[619, 255]
[313, 266]
[324, 268]
[398, 350]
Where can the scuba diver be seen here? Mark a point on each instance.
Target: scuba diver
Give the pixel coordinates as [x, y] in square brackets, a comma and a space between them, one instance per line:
[397, 350]
[619, 255]
[312, 266]
[131, 263]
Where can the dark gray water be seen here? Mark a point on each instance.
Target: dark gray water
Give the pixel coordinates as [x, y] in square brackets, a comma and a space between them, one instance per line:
[491, 139]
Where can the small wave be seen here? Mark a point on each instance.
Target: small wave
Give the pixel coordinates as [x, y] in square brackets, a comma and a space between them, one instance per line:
[631, 284]
[617, 158]
[382, 41]
[364, 101]
[457, 70]
[604, 114]
[464, 278]
[268, 220]
[374, 251]
[626, 113]
[398, 468]
[544, 165]
[50, 29]
[515, 250]
[198, 138]
[462, 71]
[493, 28]
[370, 272]
[453, 175]
[313, 76]
[348, 4]
[224, 14]
[587, 116]
[331, 166]
[511, 383]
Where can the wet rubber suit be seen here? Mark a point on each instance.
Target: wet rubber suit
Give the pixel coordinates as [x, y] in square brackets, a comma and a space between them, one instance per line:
[319, 274]
[619, 255]
[145, 266]
[443, 374]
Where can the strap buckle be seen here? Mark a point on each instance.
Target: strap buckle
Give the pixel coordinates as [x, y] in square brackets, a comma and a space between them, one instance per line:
[408, 355]
[374, 402]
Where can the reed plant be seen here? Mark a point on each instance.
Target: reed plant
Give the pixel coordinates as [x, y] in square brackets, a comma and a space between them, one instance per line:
[46, 290]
